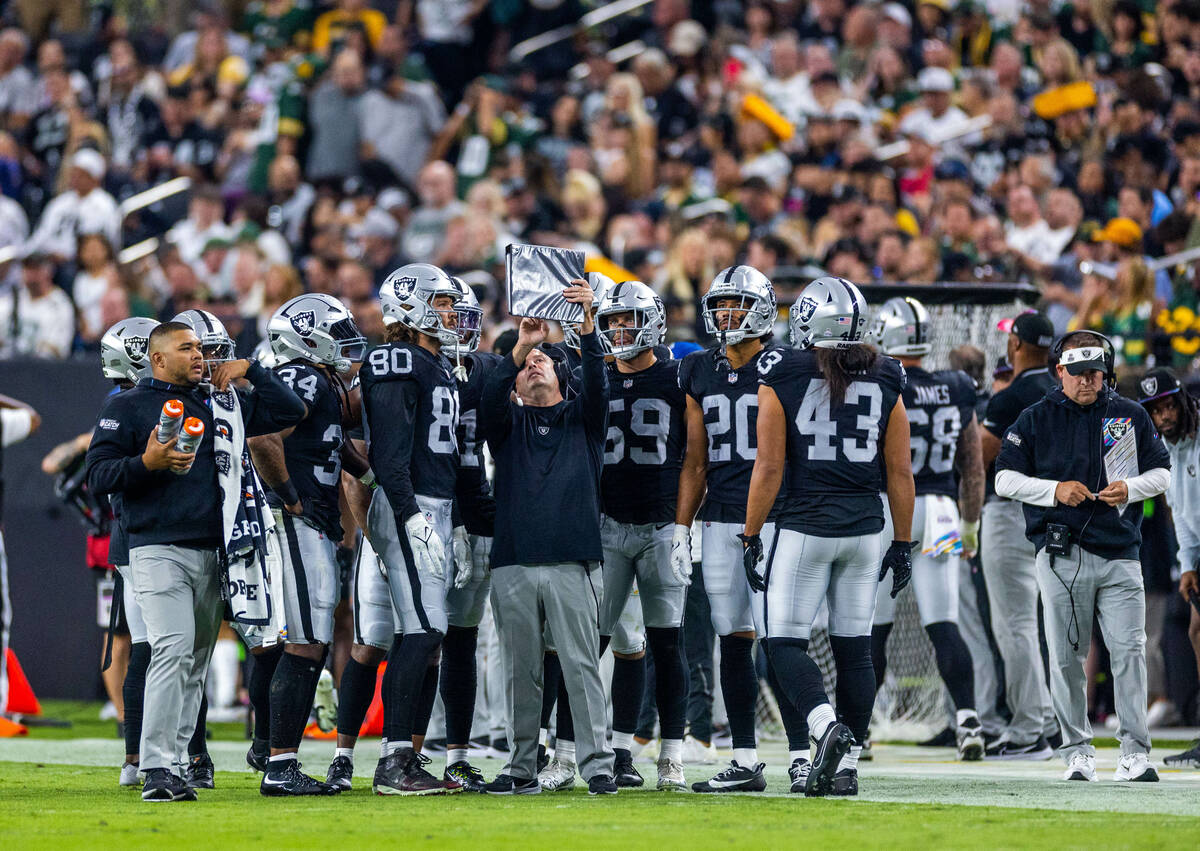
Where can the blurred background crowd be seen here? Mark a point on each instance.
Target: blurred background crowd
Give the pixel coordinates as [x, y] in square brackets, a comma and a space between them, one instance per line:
[1056, 143]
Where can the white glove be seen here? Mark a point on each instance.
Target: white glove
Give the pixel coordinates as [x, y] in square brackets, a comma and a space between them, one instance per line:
[681, 554]
[462, 557]
[428, 550]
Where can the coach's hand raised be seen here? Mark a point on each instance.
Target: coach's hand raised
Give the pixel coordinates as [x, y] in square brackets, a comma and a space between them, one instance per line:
[580, 293]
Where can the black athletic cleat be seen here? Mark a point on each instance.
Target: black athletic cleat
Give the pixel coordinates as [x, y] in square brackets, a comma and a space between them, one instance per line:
[943, 739]
[834, 745]
[465, 775]
[969, 736]
[403, 773]
[798, 772]
[258, 755]
[340, 774]
[602, 784]
[1011, 750]
[162, 786]
[543, 758]
[285, 779]
[845, 783]
[199, 773]
[624, 773]
[1188, 759]
[735, 778]
[506, 784]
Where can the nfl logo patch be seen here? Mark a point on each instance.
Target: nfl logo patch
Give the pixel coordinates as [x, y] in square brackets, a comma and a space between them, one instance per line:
[733, 378]
[628, 383]
[303, 322]
[543, 430]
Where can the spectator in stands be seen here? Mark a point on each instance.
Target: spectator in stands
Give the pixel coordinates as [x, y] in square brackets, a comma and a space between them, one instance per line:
[97, 275]
[399, 122]
[37, 319]
[84, 208]
[333, 150]
[425, 233]
[332, 27]
[18, 98]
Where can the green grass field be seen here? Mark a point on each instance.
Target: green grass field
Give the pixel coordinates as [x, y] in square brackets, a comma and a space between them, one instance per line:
[58, 789]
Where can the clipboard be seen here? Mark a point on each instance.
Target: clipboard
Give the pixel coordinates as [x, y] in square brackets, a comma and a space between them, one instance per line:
[537, 275]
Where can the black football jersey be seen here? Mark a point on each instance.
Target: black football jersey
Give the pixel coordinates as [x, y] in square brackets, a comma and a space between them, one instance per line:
[729, 400]
[410, 407]
[313, 451]
[833, 470]
[939, 405]
[647, 437]
[473, 491]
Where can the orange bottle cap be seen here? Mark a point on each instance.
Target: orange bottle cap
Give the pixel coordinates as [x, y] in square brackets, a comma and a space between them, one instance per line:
[193, 426]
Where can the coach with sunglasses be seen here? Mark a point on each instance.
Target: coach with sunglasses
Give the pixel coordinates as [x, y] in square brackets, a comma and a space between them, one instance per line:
[1077, 460]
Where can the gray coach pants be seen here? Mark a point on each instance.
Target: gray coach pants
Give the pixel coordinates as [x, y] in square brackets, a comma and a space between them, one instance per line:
[970, 624]
[1008, 568]
[525, 600]
[179, 592]
[1113, 587]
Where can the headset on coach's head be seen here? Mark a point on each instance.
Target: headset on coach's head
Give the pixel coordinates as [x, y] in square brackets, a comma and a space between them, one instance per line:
[1110, 352]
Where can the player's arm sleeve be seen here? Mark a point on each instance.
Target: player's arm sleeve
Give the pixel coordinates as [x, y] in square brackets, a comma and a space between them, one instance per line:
[1015, 464]
[593, 393]
[114, 459]
[495, 407]
[273, 406]
[1187, 532]
[391, 411]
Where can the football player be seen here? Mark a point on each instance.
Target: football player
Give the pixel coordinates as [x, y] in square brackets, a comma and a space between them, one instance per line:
[410, 409]
[476, 509]
[722, 407]
[315, 341]
[827, 411]
[945, 441]
[642, 458]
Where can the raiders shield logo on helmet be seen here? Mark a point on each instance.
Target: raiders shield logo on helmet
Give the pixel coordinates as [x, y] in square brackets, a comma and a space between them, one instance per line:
[303, 322]
[805, 307]
[1150, 385]
[404, 286]
[136, 347]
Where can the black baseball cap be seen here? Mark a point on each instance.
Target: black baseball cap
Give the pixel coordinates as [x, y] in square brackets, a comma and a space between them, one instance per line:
[1159, 382]
[1031, 327]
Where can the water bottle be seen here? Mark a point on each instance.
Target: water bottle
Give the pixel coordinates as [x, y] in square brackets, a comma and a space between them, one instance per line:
[170, 420]
[189, 439]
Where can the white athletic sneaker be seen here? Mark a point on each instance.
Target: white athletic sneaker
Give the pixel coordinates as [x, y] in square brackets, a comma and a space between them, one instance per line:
[557, 776]
[670, 775]
[129, 775]
[325, 702]
[695, 752]
[969, 737]
[108, 712]
[1136, 768]
[1081, 767]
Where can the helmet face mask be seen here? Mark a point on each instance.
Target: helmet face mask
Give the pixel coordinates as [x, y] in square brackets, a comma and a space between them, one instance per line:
[631, 320]
[901, 328]
[470, 318]
[412, 296]
[125, 350]
[744, 290]
[316, 328]
[830, 313]
[215, 343]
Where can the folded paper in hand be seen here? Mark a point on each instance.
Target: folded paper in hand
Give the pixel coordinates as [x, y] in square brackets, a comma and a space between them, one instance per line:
[537, 275]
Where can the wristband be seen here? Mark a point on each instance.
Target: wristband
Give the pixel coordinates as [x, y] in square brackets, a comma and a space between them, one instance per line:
[368, 479]
[287, 492]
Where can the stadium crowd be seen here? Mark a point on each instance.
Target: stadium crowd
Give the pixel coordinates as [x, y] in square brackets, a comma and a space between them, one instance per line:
[1051, 143]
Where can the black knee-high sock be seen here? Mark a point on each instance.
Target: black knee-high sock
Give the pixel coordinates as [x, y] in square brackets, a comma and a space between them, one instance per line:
[628, 684]
[564, 724]
[739, 685]
[292, 690]
[355, 693]
[795, 725]
[199, 741]
[262, 671]
[879, 637]
[389, 685]
[670, 679]
[954, 662]
[134, 691]
[551, 676]
[402, 701]
[458, 683]
[798, 675]
[424, 709]
[855, 682]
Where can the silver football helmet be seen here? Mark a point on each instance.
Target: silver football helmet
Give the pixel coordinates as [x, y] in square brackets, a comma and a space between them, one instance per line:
[600, 284]
[215, 341]
[901, 328]
[316, 328]
[407, 297]
[470, 317]
[830, 313]
[649, 325]
[753, 296]
[125, 349]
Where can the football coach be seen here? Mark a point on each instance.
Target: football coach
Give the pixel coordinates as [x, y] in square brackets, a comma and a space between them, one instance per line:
[546, 552]
[1077, 459]
[173, 517]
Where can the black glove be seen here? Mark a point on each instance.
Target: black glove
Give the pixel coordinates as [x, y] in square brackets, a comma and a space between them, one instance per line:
[898, 559]
[752, 554]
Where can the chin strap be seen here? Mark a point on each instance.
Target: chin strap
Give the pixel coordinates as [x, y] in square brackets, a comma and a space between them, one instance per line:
[460, 371]
[722, 357]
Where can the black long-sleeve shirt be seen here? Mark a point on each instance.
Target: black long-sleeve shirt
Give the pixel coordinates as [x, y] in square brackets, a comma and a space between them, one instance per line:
[548, 465]
[160, 507]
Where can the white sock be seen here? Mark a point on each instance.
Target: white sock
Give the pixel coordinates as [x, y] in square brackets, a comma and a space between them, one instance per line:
[454, 755]
[383, 748]
[543, 737]
[671, 749]
[392, 747]
[850, 760]
[622, 741]
[223, 673]
[564, 751]
[282, 757]
[746, 757]
[795, 755]
[819, 720]
[348, 753]
[964, 715]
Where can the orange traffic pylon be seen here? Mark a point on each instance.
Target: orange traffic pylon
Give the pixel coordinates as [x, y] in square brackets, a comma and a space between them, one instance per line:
[21, 699]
